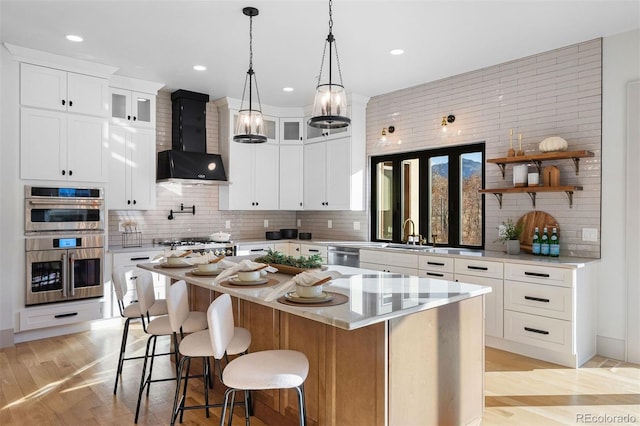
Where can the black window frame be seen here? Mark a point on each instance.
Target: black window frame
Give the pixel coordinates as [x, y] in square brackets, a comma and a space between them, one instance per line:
[454, 153]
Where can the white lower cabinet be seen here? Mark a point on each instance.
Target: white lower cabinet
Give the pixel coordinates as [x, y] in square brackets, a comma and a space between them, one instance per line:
[129, 260]
[438, 267]
[288, 248]
[253, 249]
[312, 249]
[399, 263]
[493, 302]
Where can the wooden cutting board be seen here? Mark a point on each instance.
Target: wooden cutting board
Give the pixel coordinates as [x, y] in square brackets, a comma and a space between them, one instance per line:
[529, 221]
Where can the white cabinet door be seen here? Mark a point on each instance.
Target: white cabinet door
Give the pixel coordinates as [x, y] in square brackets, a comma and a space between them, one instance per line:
[43, 144]
[291, 131]
[119, 137]
[87, 94]
[315, 176]
[493, 302]
[59, 90]
[338, 174]
[86, 152]
[265, 176]
[43, 87]
[291, 177]
[142, 153]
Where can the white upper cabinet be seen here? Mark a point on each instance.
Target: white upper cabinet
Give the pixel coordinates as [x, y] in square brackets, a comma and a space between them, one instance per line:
[327, 173]
[132, 169]
[59, 90]
[59, 146]
[291, 177]
[292, 131]
[133, 108]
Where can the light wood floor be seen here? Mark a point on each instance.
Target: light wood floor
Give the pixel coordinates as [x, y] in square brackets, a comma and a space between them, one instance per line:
[68, 380]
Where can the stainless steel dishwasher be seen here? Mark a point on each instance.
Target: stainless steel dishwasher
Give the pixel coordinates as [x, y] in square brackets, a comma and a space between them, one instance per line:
[345, 256]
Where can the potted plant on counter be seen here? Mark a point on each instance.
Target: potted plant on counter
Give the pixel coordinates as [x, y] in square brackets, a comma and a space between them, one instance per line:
[509, 233]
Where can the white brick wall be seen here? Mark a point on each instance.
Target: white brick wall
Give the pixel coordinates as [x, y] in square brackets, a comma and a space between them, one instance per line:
[553, 93]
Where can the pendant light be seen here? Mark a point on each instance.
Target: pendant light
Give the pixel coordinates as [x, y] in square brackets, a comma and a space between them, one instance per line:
[250, 125]
[330, 104]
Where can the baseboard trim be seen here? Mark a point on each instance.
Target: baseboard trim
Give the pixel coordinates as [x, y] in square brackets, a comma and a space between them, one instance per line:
[6, 338]
[611, 348]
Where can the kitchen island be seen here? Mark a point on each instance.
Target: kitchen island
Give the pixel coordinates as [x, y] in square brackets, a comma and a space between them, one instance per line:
[402, 350]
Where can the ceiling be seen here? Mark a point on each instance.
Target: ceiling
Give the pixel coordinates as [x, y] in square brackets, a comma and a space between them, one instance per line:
[162, 40]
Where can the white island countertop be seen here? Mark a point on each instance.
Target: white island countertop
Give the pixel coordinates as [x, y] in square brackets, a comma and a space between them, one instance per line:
[374, 296]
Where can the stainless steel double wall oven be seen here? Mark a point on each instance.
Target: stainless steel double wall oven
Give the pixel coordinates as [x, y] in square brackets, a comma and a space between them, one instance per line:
[64, 229]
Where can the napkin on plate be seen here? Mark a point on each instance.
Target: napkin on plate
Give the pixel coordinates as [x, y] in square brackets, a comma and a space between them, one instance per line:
[306, 278]
[245, 265]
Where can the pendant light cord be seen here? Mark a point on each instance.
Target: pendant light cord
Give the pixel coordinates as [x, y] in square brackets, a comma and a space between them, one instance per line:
[330, 40]
[251, 74]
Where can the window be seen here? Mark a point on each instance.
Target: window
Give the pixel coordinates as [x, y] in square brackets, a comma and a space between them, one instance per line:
[432, 193]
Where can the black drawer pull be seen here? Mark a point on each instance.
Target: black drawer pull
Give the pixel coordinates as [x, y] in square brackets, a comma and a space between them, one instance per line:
[314, 250]
[478, 268]
[139, 258]
[535, 330]
[435, 263]
[537, 299]
[433, 274]
[70, 314]
[260, 249]
[537, 274]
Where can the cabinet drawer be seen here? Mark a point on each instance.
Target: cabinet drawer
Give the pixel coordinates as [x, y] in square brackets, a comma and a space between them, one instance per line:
[62, 314]
[310, 249]
[133, 258]
[547, 333]
[440, 275]
[538, 299]
[480, 268]
[539, 274]
[386, 258]
[435, 263]
[389, 268]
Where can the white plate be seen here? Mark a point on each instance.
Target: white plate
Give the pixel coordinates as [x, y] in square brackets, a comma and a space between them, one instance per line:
[196, 271]
[236, 281]
[292, 296]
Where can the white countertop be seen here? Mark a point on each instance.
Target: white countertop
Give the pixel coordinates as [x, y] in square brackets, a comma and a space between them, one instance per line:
[373, 296]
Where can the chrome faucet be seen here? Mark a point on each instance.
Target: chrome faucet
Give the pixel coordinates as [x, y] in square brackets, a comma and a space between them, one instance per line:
[413, 230]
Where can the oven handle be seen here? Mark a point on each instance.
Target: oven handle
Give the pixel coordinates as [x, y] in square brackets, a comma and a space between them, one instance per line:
[66, 202]
[72, 278]
[65, 270]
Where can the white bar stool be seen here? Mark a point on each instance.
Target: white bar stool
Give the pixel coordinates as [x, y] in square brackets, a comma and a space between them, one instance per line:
[120, 276]
[272, 369]
[158, 326]
[197, 345]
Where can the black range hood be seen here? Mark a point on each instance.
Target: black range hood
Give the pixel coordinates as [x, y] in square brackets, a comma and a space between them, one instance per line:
[189, 160]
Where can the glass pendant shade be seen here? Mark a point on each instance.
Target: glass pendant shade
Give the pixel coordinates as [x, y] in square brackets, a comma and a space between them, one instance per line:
[330, 107]
[330, 103]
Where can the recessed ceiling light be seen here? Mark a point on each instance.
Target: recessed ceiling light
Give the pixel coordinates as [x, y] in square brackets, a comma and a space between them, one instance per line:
[199, 67]
[397, 52]
[287, 89]
[76, 38]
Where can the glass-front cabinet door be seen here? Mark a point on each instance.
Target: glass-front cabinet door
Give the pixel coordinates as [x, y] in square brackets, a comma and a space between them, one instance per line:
[291, 130]
[132, 108]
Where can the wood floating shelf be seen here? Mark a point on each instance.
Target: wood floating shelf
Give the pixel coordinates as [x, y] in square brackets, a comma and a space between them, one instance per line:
[537, 159]
[532, 191]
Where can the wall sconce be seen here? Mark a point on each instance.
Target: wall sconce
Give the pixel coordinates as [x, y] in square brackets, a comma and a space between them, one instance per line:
[447, 120]
[385, 130]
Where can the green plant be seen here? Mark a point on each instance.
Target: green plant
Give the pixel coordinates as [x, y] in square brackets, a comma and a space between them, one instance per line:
[313, 261]
[509, 231]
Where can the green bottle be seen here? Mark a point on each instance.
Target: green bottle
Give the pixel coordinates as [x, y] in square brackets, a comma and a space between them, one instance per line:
[544, 244]
[554, 245]
[535, 244]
